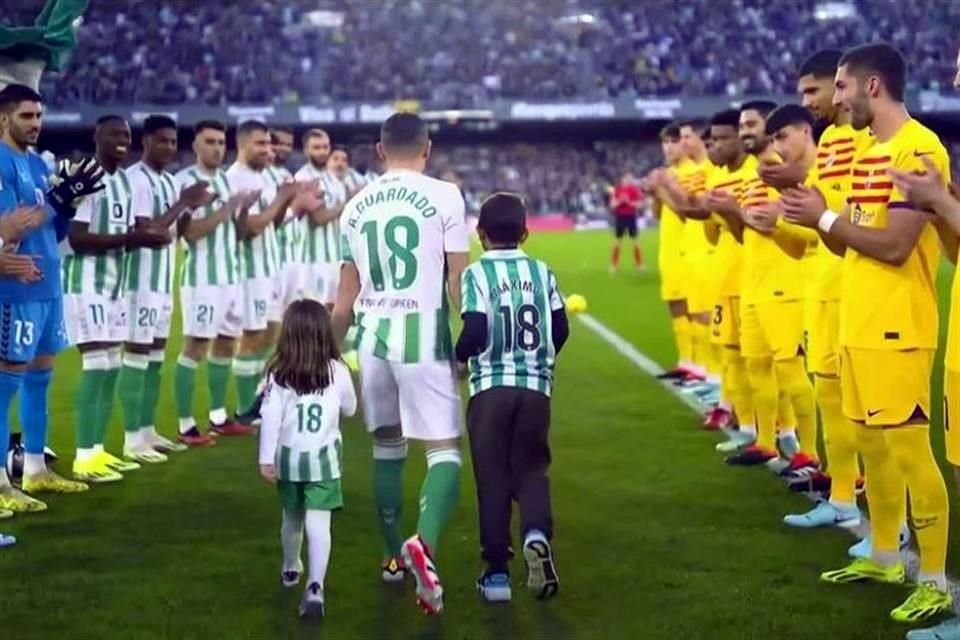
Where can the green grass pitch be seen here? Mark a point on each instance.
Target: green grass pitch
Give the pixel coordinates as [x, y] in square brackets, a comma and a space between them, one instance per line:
[656, 538]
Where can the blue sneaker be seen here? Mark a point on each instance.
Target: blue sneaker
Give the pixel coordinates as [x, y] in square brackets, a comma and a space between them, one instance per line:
[946, 630]
[864, 548]
[494, 587]
[825, 515]
[7, 541]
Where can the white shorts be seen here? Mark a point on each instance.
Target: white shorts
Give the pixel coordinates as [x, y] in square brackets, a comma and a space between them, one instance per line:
[209, 311]
[291, 283]
[148, 316]
[261, 302]
[94, 317]
[321, 282]
[423, 398]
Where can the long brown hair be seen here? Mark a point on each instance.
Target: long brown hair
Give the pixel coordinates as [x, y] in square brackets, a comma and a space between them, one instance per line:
[306, 349]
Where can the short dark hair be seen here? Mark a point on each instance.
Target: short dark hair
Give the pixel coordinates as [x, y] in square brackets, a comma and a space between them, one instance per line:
[107, 119]
[313, 133]
[763, 107]
[786, 115]
[275, 130]
[881, 59]
[340, 147]
[670, 132]
[404, 131]
[697, 124]
[821, 64]
[247, 127]
[503, 218]
[216, 125]
[152, 124]
[726, 118]
[13, 94]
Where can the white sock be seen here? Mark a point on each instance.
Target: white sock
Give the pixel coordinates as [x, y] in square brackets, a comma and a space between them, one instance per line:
[185, 424]
[713, 379]
[85, 454]
[886, 559]
[748, 430]
[218, 416]
[148, 434]
[291, 540]
[132, 440]
[787, 432]
[940, 579]
[318, 545]
[98, 448]
[4, 480]
[33, 463]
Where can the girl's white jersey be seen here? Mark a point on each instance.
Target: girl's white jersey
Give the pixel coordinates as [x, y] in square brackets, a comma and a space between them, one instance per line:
[300, 434]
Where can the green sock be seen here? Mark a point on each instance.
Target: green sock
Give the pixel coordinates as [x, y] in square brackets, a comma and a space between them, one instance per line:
[438, 495]
[246, 372]
[151, 390]
[184, 377]
[218, 373]
[87, 406]
[131, 386]
[107, 395]
[388, 496]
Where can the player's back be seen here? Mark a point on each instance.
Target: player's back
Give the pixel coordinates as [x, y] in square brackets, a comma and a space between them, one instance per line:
[518, 295]
[23, 182]
[884, 306]
[397, 231]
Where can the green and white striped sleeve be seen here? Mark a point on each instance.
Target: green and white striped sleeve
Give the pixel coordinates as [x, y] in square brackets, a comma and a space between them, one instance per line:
[471, 293]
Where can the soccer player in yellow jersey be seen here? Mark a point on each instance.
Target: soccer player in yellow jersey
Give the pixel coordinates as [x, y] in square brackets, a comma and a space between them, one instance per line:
[692, 176]
[672, 261]
[928, 191]
[771, 327]
[888, 324]
[827, 166]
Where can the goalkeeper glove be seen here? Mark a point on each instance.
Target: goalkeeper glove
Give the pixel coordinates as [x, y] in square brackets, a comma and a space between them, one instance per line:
[72, 182]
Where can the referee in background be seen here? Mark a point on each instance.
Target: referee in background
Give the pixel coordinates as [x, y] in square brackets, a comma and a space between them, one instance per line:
[625, 202]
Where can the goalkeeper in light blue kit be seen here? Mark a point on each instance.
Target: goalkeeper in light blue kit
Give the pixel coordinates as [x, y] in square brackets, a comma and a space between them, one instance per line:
[31, 307]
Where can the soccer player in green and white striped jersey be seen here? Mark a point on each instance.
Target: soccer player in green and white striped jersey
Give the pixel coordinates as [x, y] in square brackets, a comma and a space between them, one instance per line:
[308, 391]
[259, 256]
[210, 293]
[404, 249]
[148, 281]
[514, 326]
[321, 243]
[94, 300]
[290, 230]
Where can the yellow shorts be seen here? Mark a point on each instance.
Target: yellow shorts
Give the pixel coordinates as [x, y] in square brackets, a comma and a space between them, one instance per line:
[725, 326]
[823, 337]
[771, 329]
[674, 279]
[884, 388]
[951, 415]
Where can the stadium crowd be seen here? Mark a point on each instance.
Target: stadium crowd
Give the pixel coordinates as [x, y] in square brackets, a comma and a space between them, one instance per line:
[591, 49]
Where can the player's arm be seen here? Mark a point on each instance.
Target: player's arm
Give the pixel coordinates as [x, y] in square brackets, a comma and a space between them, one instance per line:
[193, 197]
[726, 206]
[891, 245]
[711, 229]
[271, 422]
[347, 292]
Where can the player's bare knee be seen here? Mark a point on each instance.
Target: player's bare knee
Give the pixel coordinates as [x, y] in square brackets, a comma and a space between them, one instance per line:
[43, 362]
[196, 348]
[224, 347]
[441, 445]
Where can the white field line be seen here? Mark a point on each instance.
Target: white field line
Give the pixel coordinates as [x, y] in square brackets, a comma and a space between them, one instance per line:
[651, 368]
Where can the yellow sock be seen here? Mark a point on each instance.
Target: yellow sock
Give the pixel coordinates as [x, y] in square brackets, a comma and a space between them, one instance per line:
[910, 448]
[886, 490]
[714, 359]
[793, 380]
[741, 394]
[839, 442]
[700, 339]
[763, 382]
[681, 333]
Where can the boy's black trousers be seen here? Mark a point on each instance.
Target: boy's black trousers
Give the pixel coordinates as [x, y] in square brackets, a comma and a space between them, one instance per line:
[508, 430]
